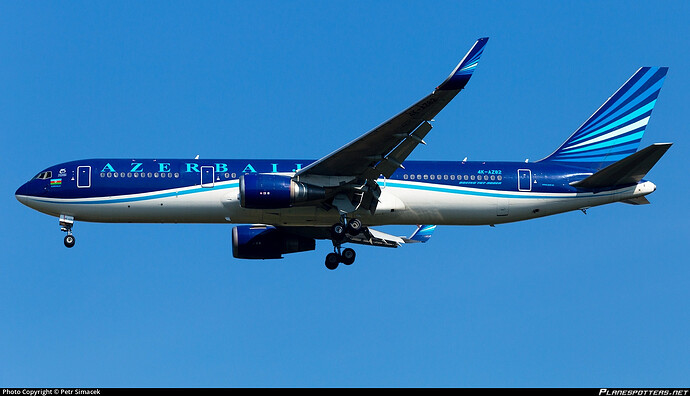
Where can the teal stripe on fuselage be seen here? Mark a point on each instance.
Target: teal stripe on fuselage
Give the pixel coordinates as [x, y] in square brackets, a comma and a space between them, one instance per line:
[146, 197]
[421, 187]
[437, 188]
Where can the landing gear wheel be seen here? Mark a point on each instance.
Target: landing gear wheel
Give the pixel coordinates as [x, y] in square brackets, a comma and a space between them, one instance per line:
[354, 227]
[348, 256]
[338, 232]
[69, 240]
[332, 261]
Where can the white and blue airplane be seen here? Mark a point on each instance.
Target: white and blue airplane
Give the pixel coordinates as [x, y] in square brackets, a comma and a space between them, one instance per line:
[288, 204]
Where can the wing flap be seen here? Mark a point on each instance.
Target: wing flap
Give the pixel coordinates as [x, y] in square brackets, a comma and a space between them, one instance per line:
[394, 160]
[374, 237]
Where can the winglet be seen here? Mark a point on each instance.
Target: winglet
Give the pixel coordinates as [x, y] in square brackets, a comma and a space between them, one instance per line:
[463, 71]
[423, 233]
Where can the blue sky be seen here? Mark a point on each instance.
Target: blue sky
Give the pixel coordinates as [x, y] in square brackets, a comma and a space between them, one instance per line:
[570, 300]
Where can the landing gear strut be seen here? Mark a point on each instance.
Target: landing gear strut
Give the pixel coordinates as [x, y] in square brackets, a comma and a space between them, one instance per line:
[339, 231]
[66, 223]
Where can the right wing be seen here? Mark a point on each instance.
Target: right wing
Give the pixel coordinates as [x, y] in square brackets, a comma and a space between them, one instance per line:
[384, 148]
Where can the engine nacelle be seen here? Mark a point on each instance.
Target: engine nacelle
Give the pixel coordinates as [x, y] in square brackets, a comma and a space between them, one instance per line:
[267, 242]
[269, 191]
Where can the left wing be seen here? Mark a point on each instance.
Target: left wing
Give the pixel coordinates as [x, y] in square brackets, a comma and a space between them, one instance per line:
[368, 236]
[382, 150]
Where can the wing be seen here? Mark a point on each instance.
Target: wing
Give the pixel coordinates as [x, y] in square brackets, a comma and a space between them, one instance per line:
[368, 236]
[382, 150]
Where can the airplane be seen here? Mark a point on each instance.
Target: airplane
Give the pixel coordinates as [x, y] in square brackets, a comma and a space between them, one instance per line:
[284, 205]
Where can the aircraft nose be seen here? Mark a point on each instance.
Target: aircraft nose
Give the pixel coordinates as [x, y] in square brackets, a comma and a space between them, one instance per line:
[22, 192]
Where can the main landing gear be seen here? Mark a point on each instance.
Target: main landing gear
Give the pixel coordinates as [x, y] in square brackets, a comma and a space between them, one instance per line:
[66, 223]
[339, 233]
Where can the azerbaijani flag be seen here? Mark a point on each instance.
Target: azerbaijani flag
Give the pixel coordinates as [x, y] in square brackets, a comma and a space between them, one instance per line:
[55, 182]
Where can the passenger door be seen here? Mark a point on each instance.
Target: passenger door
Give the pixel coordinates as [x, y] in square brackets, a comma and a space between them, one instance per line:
[83, 177]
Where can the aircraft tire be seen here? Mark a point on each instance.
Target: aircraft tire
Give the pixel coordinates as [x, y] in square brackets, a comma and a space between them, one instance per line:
[69, 241]
[348, 256]
[354, 227]
[332, 261]
[338, 232]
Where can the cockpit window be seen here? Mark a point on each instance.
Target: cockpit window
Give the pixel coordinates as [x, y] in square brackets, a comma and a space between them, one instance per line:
[44, 175]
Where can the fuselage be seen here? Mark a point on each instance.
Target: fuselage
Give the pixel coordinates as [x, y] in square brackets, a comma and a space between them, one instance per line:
[206, 191]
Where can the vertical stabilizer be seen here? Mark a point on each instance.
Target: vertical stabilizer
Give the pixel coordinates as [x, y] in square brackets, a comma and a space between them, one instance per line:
[614, 131]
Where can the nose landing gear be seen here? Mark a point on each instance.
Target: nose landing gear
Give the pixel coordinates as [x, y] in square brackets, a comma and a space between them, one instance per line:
[66, 223]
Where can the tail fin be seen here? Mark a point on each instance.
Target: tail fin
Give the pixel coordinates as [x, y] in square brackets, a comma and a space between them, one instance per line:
[614, 131]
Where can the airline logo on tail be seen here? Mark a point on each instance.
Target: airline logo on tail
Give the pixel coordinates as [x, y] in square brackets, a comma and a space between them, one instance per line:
[614, 131]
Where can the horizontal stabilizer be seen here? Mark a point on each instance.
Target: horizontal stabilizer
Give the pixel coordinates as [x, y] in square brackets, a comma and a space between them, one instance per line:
[637, 201]
[629, 170]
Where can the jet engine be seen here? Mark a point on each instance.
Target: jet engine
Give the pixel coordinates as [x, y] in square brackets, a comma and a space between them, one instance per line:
[267, 242]
[268, 191]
